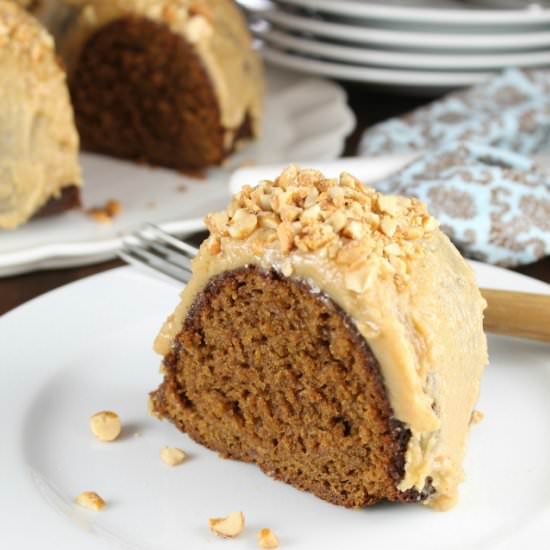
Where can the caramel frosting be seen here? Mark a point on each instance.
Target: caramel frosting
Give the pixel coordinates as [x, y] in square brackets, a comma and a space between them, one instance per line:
[385, 262]
[215, 28]
[38, 139]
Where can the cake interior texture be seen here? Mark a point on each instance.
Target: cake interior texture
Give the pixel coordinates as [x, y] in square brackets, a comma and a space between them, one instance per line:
[267, 371]
[140, 92]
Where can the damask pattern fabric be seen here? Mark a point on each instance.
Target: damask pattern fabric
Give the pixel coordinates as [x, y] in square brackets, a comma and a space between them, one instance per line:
[493, 204]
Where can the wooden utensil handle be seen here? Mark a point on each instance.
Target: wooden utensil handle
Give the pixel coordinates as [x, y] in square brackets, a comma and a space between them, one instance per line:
[517, 314]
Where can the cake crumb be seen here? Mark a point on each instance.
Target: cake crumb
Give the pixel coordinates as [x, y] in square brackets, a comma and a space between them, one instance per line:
[172, 456]
[105, 425]
[90, 500]
[105, 214]
[476, 418]
[228, 527]
[181, 188]
[267, 539]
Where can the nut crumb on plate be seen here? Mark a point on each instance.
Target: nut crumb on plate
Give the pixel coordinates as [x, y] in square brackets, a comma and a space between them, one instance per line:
[172, 456]
[228, 527]
[90, 500]
[267, 539]
[476, 418]
[105, 214]
[105, 425]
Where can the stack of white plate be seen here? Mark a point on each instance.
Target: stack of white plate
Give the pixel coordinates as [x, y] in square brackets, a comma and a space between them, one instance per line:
[416, 46]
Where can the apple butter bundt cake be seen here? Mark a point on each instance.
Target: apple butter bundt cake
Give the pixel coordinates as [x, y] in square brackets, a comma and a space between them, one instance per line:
[333, 336]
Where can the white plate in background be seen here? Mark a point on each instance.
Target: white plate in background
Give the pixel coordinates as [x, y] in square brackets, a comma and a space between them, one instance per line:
[402, 59]
[305, 120]
[87, 347]
[356, 32]
[402, 80]
[430, 12]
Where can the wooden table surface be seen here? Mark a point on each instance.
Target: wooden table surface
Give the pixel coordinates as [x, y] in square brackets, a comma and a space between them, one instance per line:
[368, 106]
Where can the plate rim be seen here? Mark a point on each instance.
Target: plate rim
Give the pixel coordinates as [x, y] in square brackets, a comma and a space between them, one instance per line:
[389, 37]
[450, 16]
[402, 59]
[375, 75]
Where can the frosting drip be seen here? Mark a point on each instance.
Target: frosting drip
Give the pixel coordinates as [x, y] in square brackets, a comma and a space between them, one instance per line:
[38, 139]
[384, 261]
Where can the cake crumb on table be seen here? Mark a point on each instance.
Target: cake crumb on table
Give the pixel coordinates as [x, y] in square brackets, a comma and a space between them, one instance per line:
[90, 500]
[105, 214]
[267, 539]
[105, 425]
[228, 527]
[172, 456]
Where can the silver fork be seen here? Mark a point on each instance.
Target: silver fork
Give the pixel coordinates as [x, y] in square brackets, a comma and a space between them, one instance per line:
[154, 249]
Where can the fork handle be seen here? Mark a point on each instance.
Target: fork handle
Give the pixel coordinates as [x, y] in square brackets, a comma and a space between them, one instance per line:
[519, 314]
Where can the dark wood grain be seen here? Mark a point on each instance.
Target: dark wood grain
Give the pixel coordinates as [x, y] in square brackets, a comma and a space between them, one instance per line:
[368, 106]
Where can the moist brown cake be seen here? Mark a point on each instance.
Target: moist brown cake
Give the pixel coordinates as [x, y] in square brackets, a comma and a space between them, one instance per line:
[39, 167]
[305, 342]
[341, 445]
[159, 81]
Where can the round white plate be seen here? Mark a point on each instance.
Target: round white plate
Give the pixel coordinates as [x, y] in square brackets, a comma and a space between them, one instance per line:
[403, 59]
[440, 12]
[406, 81]
[305, 120]
[87, 347]
[401, 38]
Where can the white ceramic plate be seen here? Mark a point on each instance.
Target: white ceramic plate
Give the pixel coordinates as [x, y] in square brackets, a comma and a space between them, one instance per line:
[403, 59]
[435, 12]
[406, 81]
[87, 347]
[354, 32]
[306, 119]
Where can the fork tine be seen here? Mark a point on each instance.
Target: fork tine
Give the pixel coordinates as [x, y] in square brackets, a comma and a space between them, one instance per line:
[176, 243]
[156, 250]
[142, 258]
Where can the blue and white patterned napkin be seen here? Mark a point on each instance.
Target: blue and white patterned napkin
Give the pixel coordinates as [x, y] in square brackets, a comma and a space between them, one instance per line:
[492, 203]
[473, 172]
[512, 111]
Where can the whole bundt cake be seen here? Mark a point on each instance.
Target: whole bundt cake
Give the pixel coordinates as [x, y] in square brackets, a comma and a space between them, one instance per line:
[333, 336]
[174, 83]
[39, 168]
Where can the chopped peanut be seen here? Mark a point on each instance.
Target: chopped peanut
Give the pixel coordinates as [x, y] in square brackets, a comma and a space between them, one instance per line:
[267, 539]
[228, 527]
[105, 425]
[172, 456]
[90, 500]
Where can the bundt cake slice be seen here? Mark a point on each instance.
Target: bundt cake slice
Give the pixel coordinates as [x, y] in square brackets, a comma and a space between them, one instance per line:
[174, 83]
[333, 336]
[39, 167]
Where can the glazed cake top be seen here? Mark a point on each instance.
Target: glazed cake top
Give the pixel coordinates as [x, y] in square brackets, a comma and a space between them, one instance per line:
[215, 28]
[385, 262]
[38, 139]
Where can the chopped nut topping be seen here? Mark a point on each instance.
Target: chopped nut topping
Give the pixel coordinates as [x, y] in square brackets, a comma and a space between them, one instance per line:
[228, 527]
[267, 539]
[90, 500]
[105, 425]
[172, 456]
[342, 219]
